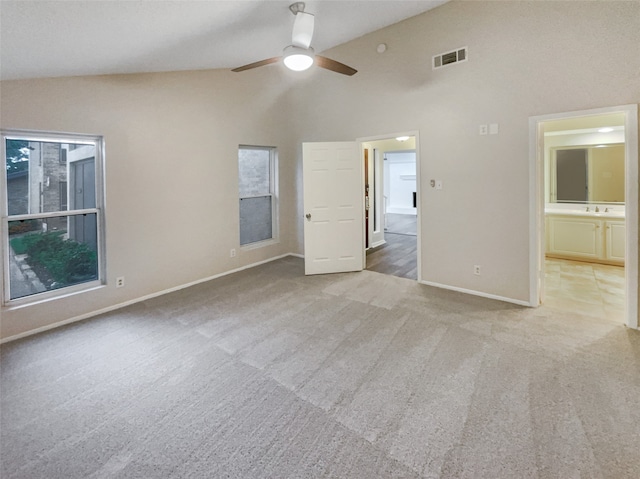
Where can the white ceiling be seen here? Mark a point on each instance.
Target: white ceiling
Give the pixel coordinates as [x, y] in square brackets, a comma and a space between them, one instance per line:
[55, 38]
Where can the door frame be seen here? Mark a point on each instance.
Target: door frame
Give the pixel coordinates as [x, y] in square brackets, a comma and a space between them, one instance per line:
[537, 202]
[389, 136]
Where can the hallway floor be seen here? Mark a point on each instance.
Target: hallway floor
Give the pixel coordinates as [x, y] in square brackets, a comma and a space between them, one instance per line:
[397, 257]
[401, 224]
[587, 288]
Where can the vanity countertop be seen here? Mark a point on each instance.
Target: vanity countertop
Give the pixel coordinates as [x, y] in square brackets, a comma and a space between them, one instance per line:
[583, 213]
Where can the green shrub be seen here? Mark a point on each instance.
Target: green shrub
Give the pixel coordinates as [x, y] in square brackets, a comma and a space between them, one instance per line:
[67, 261]
[21, 244]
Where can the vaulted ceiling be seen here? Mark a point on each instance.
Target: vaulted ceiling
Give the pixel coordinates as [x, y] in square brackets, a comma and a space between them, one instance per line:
[55, 38]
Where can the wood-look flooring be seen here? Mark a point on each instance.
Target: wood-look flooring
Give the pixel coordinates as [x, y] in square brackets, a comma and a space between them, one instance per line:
[401, 224]
[397, 257]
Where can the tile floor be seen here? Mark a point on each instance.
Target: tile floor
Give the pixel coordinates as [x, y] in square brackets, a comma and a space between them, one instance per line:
[588, 288]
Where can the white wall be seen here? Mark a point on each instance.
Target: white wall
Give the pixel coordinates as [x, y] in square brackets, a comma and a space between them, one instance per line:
[171, 173]
[525, 59]
[400, 182]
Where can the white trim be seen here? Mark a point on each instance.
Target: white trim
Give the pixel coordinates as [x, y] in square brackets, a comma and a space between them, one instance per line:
[274, 193]
[259, 244]
[476, 293]
[631, 214]
[536, 194]
[138, 300]
[378, 243]
[581, 131]
[97, 141]
[536, 204]
[410, 211]
[54, 214]
[52, 295]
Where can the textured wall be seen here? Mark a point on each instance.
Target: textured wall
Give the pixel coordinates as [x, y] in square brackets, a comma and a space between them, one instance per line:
[171, 169]
[172, 140]
[524, 59]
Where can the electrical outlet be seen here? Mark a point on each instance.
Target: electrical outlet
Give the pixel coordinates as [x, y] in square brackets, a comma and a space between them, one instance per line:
[483, 129]
[476, 269]
[119, 281]
[232, 253]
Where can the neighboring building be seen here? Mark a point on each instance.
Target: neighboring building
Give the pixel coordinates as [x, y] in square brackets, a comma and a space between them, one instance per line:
[17, 192]
[48, 181]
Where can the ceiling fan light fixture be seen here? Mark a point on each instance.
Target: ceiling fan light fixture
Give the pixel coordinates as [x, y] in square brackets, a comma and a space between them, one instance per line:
[298, 59]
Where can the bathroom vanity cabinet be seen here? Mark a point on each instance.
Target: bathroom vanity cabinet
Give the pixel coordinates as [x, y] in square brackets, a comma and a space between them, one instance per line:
[599, 239]
[614, 241]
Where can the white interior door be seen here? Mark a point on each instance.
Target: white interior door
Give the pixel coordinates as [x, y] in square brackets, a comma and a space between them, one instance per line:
[333, 207]
[376, 220]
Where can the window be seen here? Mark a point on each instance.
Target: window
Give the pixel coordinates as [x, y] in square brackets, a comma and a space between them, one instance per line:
[257, 187]
[52, 214]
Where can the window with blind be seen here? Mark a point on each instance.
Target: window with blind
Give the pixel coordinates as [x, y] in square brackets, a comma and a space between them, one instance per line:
[257, 167]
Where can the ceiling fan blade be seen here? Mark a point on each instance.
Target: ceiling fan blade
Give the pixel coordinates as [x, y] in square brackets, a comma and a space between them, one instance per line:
[268, 61]
[303, 30]
[334, 66]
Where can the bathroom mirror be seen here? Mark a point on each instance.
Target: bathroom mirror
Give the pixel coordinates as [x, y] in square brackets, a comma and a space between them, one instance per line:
[587, 174]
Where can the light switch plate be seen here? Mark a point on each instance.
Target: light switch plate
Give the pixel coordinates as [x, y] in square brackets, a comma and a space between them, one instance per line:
[493, 129]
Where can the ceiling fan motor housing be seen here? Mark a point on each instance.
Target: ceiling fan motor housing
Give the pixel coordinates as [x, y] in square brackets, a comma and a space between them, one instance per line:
[302, 30]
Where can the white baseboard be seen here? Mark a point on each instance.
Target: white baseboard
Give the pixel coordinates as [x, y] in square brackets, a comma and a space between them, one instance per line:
[402, 211]
[478, 293]
[138, 300]
[377, 243]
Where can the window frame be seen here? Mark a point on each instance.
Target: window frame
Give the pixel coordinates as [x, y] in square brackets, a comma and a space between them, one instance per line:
[99, 210]
[273, 193]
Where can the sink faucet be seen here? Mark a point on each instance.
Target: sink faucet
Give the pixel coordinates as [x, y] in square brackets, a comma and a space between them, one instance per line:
[597, 210]
[606, 210]
[587, 209]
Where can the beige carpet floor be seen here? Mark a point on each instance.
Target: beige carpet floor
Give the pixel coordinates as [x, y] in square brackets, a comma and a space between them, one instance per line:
[267, 373]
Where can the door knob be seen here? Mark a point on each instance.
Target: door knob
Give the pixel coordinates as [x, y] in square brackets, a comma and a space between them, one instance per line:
[308, 216]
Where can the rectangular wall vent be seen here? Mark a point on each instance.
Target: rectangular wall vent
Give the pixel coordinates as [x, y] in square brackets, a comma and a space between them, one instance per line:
[449, 58]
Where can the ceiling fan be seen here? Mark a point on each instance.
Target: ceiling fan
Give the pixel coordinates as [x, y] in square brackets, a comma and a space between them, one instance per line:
[299, 55]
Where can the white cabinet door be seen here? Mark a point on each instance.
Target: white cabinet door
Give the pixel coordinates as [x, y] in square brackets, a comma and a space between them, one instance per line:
[615, 240]
[334, 207]
[575, 237]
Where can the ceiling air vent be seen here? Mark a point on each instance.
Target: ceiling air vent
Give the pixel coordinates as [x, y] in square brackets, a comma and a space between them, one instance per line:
[449, 58]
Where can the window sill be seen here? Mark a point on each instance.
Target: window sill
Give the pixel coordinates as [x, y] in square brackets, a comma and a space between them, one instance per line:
[259, 244]
[27, 301]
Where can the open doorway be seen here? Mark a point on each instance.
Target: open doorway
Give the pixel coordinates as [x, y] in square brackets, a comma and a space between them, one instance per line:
[586, 213]
[391, 205]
